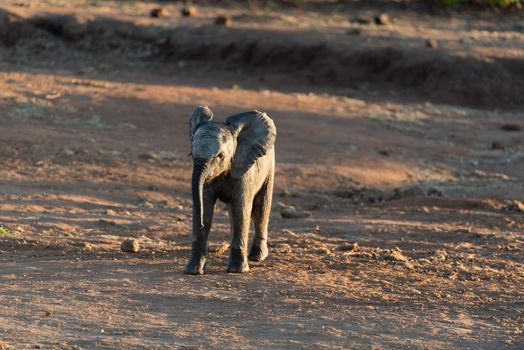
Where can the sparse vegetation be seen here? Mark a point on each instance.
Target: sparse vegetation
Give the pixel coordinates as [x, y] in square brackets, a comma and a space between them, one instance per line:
[4, 230]
[496, 3]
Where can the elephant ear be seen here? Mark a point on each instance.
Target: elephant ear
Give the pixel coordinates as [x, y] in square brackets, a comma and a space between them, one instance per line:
[200, 114]
[256, 135]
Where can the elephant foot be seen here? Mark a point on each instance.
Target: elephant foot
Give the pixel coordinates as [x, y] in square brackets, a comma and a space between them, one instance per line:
[195, 265]
[258, 252]
[237, 262]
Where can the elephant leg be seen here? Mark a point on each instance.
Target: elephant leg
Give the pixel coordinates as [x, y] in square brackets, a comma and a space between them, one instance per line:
[240, 217]
[197, 258]
[260, 214]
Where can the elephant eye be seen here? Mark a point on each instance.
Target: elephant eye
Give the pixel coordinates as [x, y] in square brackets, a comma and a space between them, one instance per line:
[220, 156]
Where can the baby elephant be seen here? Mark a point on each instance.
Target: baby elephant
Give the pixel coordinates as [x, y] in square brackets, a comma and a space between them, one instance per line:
[234, 162]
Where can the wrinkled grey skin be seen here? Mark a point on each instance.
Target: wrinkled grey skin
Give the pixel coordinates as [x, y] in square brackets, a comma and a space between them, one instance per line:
[233, 161]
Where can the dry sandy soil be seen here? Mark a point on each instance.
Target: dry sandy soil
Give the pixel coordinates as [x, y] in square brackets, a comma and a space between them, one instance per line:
[414, 238]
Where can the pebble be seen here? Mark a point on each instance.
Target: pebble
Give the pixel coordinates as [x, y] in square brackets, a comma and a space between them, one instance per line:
[384, 152]
[146, 204]
[497, 145]
[349, 246]
[130, 246]
[515, 206]
[322, 251]
[160, 155]
[431, 43]
[361, 20]
[68, 152]
[382, 19]
[433, 191]
[128, 126]
[189, 11]
[158, 12]
[224, 20]
[152, 187]
[393, 255]
[510, 127]
[283, 248]
[107, 222]
[86, 245]
[354, 31]
[219, 249]
[293, 213]
[111, 212]
[440, 255]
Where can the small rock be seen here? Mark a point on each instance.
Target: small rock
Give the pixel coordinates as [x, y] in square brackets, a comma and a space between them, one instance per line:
[152, 187]
[149, 155]
[283, 248]
[515, 207]
[479, 173]
[107, 222]
[130, 246]
[382, 19]
[349, 246]
[128, 126]
[510, 127]
[293, 213]
[37, 347]
[219, 249]
[48, 313]
[189, 11]
[111, 212]
[440, 255]
[158, 12]
[384, 152]
[497, 145]
[160, 155]
[431, 43]
[413, 191]
[289, 193]
[110, 153]
[433, 191]
[393, 255]
[425, 210]
[322, 251]
[146, 204]
[163, 204]
[86, 245]
[224, 20]
[361, 20]
[68, 152]
[354, 31]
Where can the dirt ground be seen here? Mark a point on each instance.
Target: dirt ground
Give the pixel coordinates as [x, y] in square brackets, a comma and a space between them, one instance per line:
[410, 177]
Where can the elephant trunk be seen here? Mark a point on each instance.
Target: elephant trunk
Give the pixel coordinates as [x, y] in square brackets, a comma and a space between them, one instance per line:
[197, 189]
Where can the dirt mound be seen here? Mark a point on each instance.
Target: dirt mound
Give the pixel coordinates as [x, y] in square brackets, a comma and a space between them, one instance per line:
[14, 28]
[436, 74]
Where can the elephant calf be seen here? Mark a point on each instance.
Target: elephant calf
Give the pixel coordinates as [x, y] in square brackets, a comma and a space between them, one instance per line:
[233, 161]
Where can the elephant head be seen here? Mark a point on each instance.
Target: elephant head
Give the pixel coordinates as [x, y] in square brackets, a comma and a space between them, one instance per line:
[225, 149]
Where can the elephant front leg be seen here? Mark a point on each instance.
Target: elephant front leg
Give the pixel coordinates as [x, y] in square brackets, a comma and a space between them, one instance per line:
[240, 216]
[260, 214]
[197, 258]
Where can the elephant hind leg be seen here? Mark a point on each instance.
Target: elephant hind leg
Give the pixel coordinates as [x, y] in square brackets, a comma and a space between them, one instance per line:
[260, 216]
